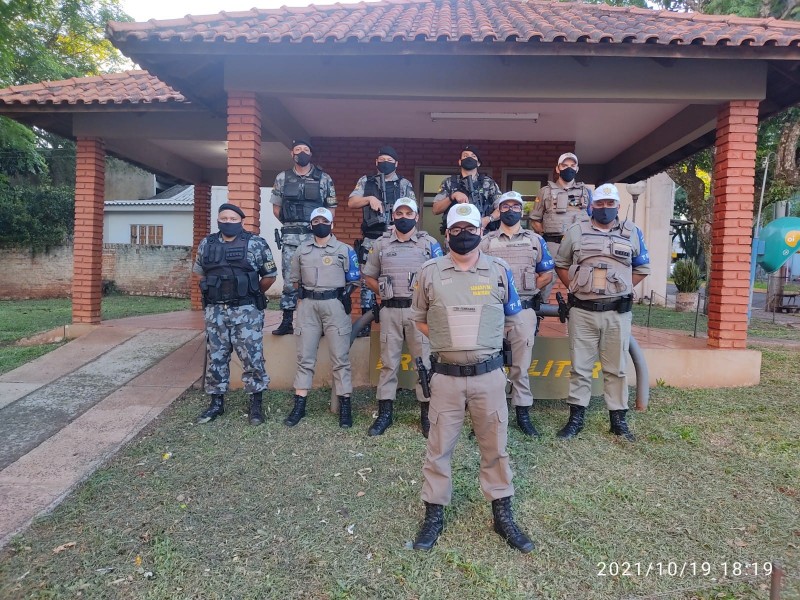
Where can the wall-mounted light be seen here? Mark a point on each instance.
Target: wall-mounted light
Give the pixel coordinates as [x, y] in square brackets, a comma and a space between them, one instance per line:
[480, 116]
[636, 190]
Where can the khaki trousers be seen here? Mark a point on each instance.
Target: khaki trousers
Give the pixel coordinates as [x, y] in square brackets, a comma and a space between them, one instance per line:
[607, 333]
[483, 396]
[314, 317]
[520, 335]
[396, 325]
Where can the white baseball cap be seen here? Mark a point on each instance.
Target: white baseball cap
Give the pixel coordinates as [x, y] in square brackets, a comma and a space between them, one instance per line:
[511, 196]
[404, 201]
[321, 212]
[468, 213]
[567, 155]
[607, 191]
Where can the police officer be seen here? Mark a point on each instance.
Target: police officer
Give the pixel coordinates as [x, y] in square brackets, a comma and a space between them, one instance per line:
[532, 266]
[321, 269]
[559, 204]
[236, 268]
[600, 261]
[461, 302]
[295, 194]
[391, 267]
[375, 195]
[468, 186]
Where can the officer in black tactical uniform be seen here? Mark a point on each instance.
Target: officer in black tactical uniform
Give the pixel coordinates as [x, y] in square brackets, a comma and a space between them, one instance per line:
[375, 195]
[295, 194]
[236, 268]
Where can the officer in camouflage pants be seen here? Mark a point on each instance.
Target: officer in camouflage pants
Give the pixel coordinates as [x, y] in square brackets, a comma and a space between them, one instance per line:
[236, 268]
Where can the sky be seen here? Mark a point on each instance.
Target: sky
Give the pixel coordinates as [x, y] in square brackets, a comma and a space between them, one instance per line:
[144, 10]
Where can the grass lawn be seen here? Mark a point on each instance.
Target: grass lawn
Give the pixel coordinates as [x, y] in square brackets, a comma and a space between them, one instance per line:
[24, 318]
[226, 510]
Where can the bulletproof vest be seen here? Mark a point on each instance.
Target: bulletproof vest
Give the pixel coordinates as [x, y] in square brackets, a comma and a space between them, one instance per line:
[400, 262]
[564, 207]
[466, 313]
[478, 197]
[604, 262]
[323, 268]
[521, 253]
[301, 195]
[229, 276]
[373, 221]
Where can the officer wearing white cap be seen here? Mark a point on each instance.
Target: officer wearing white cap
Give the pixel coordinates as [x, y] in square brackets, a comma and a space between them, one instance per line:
[600, 261]
[559, 204]
[321, 269]
[375, 195]
[462, 302]
[295, 193]
[532, 266]
[392, 265]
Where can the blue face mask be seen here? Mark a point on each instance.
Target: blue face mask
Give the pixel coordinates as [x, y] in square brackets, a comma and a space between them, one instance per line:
[230, 229]
[604, 216]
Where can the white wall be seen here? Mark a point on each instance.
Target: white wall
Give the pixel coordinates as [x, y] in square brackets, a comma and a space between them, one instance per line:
[176, 221]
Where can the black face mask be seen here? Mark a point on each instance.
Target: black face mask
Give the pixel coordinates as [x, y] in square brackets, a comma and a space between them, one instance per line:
[405, 225]
[604, 216]
[464, 243]
[230, 229]
[469, 163]
[387, 167]
[321, 230]
[568, 174]
[302, 158]
[510, 217]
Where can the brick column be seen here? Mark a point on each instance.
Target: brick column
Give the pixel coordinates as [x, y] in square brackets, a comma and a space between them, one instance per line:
[201, 228]
[244, 156]
[87, 275]
[731, 233]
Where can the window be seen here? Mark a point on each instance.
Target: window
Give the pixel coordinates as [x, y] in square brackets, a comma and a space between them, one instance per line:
[147, 235]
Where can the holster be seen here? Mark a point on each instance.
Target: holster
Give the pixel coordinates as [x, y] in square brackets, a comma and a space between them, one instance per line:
[507, 356]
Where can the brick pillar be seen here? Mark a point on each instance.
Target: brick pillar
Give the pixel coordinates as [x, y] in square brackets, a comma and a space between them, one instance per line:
[244, 156]
[201, 228]
[731, 233]
[87, 275]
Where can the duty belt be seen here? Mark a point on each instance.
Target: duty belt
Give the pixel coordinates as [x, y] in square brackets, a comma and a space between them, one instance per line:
[553, 237]
[295, 230]
[374, 235]
[534, 302]
[237, 302]
[326, 295]
[396, 303]
[623, 304]
[487, 366]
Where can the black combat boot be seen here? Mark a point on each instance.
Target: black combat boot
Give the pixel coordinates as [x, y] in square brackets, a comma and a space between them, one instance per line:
[286, 327]
[255, 414]
[575, 423]
[215, 409]
[505, 527]
[524, 421]
[345, 417]
[424, 421]
[619, 426]
[384, 420]
[298, 412]
[432, 527]
[365, 332]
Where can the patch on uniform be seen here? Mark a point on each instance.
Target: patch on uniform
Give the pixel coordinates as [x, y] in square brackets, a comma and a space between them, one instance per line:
[327, 261]
[464, 210]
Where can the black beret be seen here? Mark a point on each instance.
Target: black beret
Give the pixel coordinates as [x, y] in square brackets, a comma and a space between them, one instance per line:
[388, 151]
[302, 141]
[474, 150]
[232, 207]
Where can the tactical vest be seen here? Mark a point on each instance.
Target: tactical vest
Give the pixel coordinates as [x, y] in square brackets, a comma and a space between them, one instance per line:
[301, 195]
[604, 260]
[400, 263]
[323, 268]
[521, 253]
[229, 277]
[564, 207]
[374, 222]
[466, 312]
[478, 197]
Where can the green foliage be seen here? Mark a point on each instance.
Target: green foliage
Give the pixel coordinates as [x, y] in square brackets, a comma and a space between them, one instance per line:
[686, 276]
[35, 217]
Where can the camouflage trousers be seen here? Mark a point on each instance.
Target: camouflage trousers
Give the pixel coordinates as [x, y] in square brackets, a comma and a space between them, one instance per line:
[367, 295]
[291, 241]
[238, 328]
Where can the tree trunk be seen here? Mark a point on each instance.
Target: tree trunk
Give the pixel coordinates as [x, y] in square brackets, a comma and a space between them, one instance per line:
[787, 168]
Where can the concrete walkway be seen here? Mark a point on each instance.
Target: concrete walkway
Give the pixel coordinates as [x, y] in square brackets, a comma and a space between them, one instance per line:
[66, 413]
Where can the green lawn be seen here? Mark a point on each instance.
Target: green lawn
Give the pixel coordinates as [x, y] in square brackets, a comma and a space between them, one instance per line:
[226, 510]
[24, 318]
